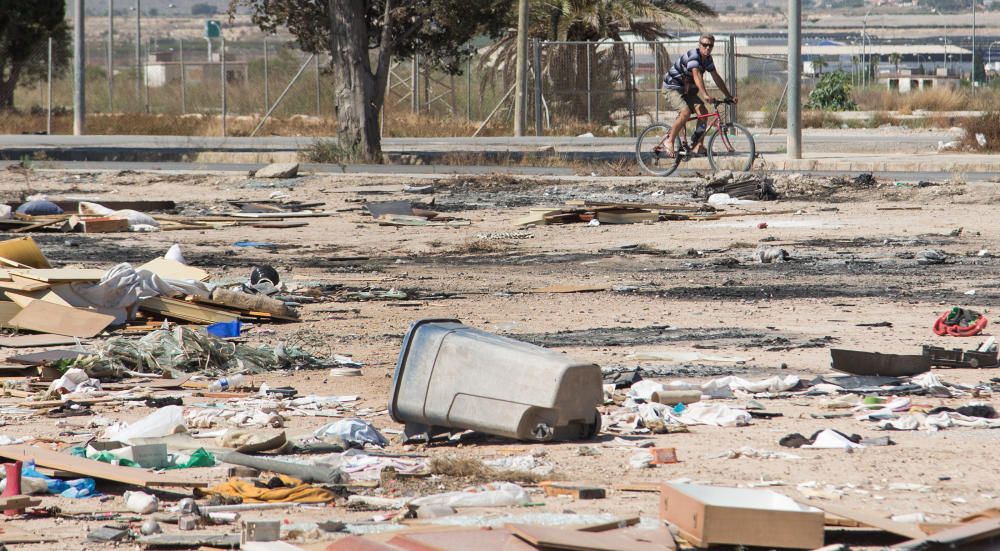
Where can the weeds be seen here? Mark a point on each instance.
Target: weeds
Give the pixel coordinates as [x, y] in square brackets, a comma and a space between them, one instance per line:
[478, 473]
[982, 133]
[326, 152]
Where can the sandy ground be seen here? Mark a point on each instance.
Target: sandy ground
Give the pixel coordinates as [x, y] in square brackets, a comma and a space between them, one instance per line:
[851, 264]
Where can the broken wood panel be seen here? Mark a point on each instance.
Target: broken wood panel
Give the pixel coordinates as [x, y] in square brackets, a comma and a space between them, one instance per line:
[30, 341]
[957, 537]
[44, 317]
[870, 519]
[7, 311]
[48, 356]
[171, 269]
[186, 311]
[60, 275]
[20, 283]
[573, 540]
[96, 469]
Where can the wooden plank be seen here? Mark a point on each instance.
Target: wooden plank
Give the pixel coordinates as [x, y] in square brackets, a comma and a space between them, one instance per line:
[869, 519]
[96, 469]
[60, 275]
[955, 538]
[72, 205]
[18, 283]
[171, 269]
[43, 404]
[627, 217]
[7, 311]
[187, 311]
[168, 383]
[605, 526]
[30, 341]
[573, 540]
[564, 288]
[638, 487]
[47, 356]
[59, 320]
[18, 502]
[578, 491]
[42, 223]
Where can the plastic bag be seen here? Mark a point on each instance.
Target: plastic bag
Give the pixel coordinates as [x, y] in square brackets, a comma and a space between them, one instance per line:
[353, 432]
[495, 494]
[164, 421]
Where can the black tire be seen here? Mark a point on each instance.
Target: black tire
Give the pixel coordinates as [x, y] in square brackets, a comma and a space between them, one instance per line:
[735, 151]
[654, 162]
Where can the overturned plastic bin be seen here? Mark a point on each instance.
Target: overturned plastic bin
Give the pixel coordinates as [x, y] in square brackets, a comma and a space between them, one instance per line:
[451, 377]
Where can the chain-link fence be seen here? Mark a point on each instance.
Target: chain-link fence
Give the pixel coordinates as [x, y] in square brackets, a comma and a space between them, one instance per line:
[616, 86]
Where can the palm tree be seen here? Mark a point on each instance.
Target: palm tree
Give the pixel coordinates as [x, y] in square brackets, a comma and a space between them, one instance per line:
[565, 66]
[895, 58]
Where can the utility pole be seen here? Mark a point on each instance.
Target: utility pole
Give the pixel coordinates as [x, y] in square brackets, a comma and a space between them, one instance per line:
[520, 80]
[973, 47]
[79, 66]
[794, 138]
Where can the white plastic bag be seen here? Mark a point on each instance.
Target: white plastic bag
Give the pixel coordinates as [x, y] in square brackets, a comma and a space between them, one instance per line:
[494, 494]
[164, 421]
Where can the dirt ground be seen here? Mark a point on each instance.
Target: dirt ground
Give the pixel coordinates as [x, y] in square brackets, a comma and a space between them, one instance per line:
[671, 286]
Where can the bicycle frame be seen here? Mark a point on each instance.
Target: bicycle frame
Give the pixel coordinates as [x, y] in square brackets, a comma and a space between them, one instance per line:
[715, 124]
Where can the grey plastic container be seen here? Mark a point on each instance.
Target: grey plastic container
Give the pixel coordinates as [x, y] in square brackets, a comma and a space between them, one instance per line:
[452, 377]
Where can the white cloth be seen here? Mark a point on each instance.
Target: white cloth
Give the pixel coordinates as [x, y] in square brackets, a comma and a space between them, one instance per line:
[832, 440]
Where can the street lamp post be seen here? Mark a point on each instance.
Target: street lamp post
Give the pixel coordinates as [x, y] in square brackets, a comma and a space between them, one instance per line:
[864, 48]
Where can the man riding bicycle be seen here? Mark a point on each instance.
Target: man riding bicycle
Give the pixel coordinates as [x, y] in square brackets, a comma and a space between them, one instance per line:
[683, 82]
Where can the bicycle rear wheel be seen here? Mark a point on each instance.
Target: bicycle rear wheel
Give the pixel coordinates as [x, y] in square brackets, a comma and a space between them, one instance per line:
[650, 153]
[731, 148]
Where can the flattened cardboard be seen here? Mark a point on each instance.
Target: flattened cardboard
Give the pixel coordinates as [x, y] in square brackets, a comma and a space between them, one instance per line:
[96, 469]
[24, 250]
[958, 537]
[44, 317]
[171, 269]
[707, 515]
[873, 520]
[7, 311]
[186, 311]
[19, 283]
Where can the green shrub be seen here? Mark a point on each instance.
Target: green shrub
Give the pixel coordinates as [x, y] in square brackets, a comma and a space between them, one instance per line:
[832, 93]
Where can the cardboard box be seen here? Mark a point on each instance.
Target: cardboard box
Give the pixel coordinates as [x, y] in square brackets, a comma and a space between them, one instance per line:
[707, 515]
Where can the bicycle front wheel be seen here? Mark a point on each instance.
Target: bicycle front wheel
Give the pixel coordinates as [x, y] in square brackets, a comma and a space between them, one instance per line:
[650, 150]
[731, 148]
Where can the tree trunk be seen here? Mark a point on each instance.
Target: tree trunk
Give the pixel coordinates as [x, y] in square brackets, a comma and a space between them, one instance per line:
[357, 100]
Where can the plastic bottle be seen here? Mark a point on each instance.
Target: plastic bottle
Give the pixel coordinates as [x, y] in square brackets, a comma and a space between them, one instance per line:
[226, 383]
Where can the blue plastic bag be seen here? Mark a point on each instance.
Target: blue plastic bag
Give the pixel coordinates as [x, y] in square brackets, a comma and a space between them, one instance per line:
[225, 329]
[77, 488]
[39, 207]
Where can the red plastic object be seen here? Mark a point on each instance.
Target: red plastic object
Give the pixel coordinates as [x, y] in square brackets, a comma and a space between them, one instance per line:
[762, 226]
[941, 329]
[13, 488]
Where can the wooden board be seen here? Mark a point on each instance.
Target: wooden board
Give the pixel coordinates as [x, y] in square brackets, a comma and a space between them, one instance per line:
[578, 491]
[869, 519]
[956, 538]
[61, 275]
[167, 383]
[612, 217]
[18, 502]
[60, 320]
[96, 469]
[170, 269]
[278, 225]
[30, 341]
[47, 356]
[187, 311]
[7, 311]
[572, 540]
[23, 284]
[570, 289]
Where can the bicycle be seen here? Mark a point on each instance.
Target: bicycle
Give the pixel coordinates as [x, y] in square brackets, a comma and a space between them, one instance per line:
[730, 146]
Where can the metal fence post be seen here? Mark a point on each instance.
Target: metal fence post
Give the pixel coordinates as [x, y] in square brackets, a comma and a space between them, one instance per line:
[657, 72]
[731, 76]
[267, 93]
[138, 50]
[537, 45]
[631, 82]
[317, 85]
[111, 56]
[222, 59]
[588, 84]
[468, 85]
[180, 43]
[414, 87]
[145, 85]
[48, 120]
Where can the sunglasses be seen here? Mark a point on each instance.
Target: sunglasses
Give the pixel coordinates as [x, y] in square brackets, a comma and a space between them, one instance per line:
[709, 46]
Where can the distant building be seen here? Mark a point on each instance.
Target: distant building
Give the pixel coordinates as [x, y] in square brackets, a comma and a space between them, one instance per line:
[165, 67]
[909, 80]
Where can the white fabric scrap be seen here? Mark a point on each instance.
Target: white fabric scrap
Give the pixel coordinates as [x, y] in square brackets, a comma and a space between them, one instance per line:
[702, 413]
[832, 440]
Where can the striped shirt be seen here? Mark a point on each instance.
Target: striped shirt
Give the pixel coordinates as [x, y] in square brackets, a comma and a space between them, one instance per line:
[679, 76]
